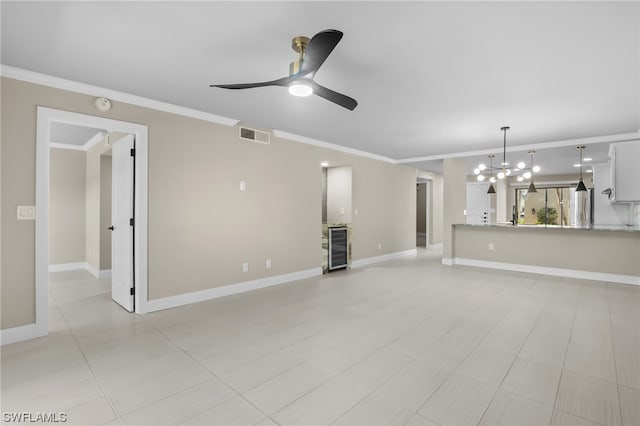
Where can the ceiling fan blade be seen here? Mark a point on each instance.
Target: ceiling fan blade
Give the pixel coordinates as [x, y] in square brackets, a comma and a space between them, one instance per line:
[335, 97]
[279, 82]
[320, 47]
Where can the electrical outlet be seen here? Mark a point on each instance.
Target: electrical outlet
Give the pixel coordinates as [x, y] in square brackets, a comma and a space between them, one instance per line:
[26, 213]
[341, 210]
[243, 185]
[379, 246]
[268, 263]
[355, 212]
[245, 267]
[490, 246]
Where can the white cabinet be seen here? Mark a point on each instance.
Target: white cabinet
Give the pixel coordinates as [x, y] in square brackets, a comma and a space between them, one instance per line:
[624, 161]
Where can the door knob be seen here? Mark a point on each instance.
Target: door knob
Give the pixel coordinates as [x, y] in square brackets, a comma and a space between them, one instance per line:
[110, 228]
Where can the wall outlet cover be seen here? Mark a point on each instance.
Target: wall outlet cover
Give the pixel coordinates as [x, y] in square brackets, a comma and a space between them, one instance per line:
[26, 213]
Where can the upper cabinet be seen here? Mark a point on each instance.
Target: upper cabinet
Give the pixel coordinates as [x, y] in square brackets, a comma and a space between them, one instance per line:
[624, 162]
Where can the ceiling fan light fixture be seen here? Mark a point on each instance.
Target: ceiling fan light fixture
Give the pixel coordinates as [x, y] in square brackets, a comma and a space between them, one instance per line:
[298, 88]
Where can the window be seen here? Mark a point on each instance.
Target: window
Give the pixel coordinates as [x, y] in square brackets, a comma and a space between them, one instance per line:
[548, 206]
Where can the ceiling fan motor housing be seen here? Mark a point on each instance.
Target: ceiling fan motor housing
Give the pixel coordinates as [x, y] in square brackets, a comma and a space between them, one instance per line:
[298, 44]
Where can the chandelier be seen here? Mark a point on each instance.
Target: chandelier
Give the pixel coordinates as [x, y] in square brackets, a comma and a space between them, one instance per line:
[521, 171]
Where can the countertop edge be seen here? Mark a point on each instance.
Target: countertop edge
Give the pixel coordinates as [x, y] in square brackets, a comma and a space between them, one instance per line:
[612, 228]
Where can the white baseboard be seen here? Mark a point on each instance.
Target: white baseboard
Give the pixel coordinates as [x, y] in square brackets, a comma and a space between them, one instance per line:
[437, 246]
[92, 270]
[22, 333]
[104, 273]
[369, 260]
[558, 272]
[447, 261]
[227, 290]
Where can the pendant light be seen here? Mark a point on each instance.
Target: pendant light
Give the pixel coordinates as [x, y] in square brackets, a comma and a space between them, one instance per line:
[581, 187]
[532, 187]
[491, 189]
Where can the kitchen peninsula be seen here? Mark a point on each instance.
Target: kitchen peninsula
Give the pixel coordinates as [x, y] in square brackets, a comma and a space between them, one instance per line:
[606, 253]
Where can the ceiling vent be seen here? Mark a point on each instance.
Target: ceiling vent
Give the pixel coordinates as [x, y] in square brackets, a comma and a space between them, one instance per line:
[254, 135]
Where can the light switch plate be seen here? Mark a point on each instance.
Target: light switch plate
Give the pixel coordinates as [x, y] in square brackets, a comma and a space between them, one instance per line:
[26, 213]
[243, 185]
[268, 263]
[245, 267]
[341, 210]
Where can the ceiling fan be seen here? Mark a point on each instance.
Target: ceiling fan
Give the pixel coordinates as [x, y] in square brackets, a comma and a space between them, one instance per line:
[311, 55]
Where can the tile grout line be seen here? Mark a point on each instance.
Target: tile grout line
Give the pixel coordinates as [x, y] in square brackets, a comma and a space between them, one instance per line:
[498, 388]
[84, 356]
[453, 371]
[465, 358]
[564, 360]
[210, 372]
[414, 359]
[615, 359]
[309, 362]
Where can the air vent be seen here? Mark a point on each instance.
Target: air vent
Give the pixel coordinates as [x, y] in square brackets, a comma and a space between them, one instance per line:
[254, 135]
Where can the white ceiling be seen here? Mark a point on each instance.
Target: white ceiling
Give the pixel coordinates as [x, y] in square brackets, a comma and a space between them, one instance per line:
[431, 78]
[69, 134]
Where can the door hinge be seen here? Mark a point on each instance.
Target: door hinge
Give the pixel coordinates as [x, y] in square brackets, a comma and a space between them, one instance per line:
[132, 291]
[131, 222]
[133, 152]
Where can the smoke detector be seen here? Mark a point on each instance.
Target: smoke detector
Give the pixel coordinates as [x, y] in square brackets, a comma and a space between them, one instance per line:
[102, 104]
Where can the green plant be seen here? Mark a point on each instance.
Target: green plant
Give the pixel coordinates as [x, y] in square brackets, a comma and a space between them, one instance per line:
[547, 216]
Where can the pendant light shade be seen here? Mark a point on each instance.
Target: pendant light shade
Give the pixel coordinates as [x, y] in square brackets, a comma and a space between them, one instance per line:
[491, 189]
[532, 188]
[581, 186]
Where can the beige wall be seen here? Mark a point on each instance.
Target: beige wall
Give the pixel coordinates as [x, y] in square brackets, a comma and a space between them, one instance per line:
[105, 212]
[66, 206]
[93, 177]
[201, 227]
[454, 201]
[437, 206]
[339, 194]
[613, 252]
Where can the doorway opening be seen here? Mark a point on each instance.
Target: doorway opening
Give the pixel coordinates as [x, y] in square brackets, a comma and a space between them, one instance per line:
[336, 217]
[422, 213]
[47, 119]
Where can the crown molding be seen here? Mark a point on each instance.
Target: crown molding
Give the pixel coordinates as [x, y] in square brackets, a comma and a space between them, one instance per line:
[322, 144]
[87, 89]
[621, 137]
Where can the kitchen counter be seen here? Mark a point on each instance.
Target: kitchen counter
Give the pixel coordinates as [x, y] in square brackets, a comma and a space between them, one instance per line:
[625, 228]
[605, 253]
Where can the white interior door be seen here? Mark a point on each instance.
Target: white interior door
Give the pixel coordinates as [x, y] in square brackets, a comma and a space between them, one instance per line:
[478, 203]
[122, 193]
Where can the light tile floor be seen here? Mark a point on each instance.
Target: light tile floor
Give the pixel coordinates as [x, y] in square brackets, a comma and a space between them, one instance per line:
[407, 341]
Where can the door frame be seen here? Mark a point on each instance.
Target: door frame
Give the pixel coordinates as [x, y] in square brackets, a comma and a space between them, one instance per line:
[45, 117]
